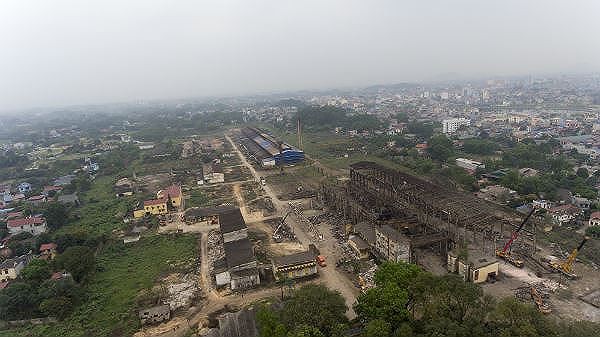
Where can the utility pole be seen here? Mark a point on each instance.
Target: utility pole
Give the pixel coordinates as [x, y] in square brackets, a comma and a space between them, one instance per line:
[299, 131]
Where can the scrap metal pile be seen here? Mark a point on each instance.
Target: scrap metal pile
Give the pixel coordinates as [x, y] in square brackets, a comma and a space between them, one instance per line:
[215, 250]
[336, 223]
[313, 228]
[282, 231]
[539, 292]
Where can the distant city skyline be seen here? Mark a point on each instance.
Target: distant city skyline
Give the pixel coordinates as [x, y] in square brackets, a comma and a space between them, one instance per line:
[65, 52]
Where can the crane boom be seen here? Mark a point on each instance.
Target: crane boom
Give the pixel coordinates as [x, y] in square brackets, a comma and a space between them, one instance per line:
[515, 234]
[567, 265]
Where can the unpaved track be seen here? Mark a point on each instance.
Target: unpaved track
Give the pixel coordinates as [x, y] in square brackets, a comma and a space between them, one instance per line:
[330, 276]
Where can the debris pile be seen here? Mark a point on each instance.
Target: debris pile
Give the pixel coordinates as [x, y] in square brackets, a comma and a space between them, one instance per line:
[336, 222]
[366, 279]
[181, 294]
[282, 231]
[215, 250]
[313, 228]
[539, 292]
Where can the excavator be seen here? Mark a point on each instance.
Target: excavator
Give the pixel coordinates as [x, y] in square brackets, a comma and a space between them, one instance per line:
[566, 266]
[505, 252]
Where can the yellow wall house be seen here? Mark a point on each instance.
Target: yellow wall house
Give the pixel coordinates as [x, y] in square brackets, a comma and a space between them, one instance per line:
[172, 192]
[154, 207]
[294, 266]
[478, 268]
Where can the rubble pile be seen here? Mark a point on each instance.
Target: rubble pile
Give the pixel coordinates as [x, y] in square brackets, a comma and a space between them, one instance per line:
[181, 294]
[366, 279]
[215, 250]
[313, 227]
[282, 231]
[336, 222]
[539, 292]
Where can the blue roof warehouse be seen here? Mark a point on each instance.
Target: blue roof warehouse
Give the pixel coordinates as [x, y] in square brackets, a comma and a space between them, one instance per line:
[268, 151]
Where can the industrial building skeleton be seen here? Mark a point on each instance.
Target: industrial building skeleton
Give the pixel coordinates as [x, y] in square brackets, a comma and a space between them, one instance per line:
[435, 211]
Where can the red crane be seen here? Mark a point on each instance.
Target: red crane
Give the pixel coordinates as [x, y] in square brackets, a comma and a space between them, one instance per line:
[505, 252]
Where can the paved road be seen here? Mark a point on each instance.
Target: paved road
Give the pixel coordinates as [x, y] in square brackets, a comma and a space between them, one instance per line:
[330, 276]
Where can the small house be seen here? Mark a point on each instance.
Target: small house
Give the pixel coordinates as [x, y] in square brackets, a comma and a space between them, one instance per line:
[474, 266]
[48, 251]
[35, 225]
[154, 315]
[11, 268]
[69, 199]
[173, 193]
[595, 219]
[360, 247]
[564, 214]
[37, 200]
[24, 187]
[392, 245]
[294, 266]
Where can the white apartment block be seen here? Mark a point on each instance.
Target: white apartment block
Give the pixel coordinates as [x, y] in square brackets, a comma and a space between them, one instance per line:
[469, 164]
[450, 126]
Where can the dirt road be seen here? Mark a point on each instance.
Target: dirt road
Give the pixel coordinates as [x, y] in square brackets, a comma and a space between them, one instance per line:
[330, 276]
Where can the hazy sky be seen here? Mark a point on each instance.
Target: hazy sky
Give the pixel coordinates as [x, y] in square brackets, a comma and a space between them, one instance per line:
[55, 52]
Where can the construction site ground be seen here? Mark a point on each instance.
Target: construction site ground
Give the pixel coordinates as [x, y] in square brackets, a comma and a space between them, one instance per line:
[287, 193]
[565, 301]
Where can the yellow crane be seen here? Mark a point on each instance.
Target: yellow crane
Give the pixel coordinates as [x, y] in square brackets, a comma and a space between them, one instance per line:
[566, 266]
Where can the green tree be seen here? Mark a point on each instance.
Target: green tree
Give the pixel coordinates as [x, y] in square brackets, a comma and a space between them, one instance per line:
[421, 129]
[593, 231]
[582, 172]
[314, 305]
[17, 301]
[388, 302]
[56, 215]
[440, 148]
[36, 271]
[269, 323]
[378, 328]
[78, 260]
[58, 307]
[400, 273]
[478, 146]
[511, 318]
[306, 331]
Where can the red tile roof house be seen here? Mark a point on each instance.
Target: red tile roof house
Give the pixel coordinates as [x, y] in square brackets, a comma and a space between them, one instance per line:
[595, 219]
[35, 225]
[14, 215]
[172, 192]
[564, 214]
[37, 199]
[48, 251]
[50, 189]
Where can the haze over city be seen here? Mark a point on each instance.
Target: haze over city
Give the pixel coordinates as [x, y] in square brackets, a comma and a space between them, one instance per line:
[73, 52]
[253, 168]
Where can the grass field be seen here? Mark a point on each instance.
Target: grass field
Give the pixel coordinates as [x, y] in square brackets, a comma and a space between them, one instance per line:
[123, 271]
[101, 211]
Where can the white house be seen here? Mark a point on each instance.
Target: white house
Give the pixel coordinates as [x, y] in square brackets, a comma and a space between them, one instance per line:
[469, 164]
[24, 187]
[10, 269]
[35, 225]
[595, 219]
[564, 214]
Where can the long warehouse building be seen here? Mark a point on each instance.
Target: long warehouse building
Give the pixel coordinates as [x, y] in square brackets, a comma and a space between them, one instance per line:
[268, 151]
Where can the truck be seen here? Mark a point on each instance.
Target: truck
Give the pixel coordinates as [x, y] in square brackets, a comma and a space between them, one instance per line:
[321, 260]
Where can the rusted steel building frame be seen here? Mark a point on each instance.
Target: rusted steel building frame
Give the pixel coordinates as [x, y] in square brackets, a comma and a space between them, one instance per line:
[457, 214]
